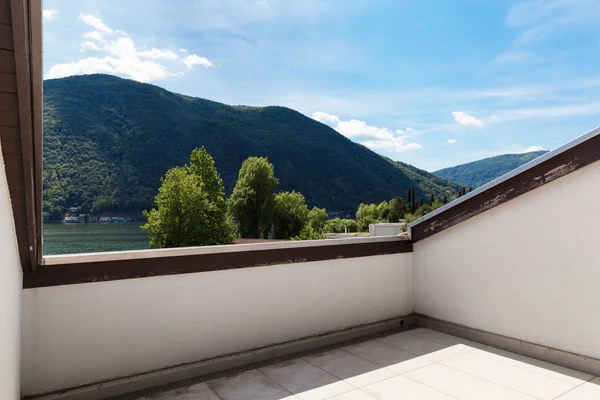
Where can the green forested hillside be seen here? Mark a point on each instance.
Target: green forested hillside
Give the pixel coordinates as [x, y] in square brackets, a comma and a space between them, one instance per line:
[108, 141]
[478, 173]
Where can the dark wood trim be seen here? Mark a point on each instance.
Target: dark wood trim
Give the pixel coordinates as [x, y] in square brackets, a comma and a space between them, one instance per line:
[8, 83]
[6, 37]
[22, 56]
[5, 12]
[87, 272]
[547, 171]
[7, 61]
[37, 83]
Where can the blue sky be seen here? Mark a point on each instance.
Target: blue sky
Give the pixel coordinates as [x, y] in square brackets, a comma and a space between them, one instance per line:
[434, 83]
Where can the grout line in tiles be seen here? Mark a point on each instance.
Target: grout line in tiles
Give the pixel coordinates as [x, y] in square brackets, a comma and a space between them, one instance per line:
[335, 376]
[377, 365]
[396, 347]
[524, 362]
[212, 390]
[570, 390]
[355, 390]
[527, 370]
[437, 390]
[487, 380]
[272, 380]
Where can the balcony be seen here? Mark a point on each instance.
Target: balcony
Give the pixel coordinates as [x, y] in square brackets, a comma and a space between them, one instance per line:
[495, 295]
[415, 364]
[486, 298]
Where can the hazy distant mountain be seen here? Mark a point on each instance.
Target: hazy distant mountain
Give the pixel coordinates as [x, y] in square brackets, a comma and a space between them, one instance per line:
[108, 141]
[480, 172]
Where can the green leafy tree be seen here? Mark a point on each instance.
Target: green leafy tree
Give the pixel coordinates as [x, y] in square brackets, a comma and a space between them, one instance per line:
[365, 215]
[308, 233]
[338, 225]
[181, 217]
[397, 209]
[253, 199]
[383, 211]
[203, 166]
[317, 218]
[290, 215]
[191, 208]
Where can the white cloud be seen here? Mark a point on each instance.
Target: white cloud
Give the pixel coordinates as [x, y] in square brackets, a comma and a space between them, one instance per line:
[90, 46]
[408, 129]
[122, 57]
[353, 128]
[451, 141]
[193, 59]
[157, 54]
[465, 119]
[123, 60]
[391, 145]
[94, 35]
[183, 50]
[533, 148]
[95, 23]
[49, 14]
[327, 119]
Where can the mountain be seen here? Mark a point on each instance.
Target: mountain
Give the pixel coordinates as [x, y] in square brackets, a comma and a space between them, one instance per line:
[478, 173]
[429, 182]
[108, 141]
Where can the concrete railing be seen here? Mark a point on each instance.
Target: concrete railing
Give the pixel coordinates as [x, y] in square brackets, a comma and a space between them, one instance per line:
[84, 333]
[528, 269]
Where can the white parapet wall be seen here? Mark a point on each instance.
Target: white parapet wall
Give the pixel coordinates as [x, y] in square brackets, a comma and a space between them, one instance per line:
[11, 282]
[79, 334]
[528, 269]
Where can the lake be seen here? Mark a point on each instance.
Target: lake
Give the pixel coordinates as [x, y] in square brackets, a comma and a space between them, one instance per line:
[62, 238]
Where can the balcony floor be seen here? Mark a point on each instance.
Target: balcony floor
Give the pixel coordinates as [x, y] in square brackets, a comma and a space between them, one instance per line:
[416, 364]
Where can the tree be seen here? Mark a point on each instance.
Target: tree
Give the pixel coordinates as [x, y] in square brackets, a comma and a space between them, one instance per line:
[317, 218]
[397, 209]
[367, 214]
[191, 206]
[253, 199]
[183, 214]
[308, 233]
[290, 214]
[203, 166]
[431, 199]
[337, 225]
[383, 211]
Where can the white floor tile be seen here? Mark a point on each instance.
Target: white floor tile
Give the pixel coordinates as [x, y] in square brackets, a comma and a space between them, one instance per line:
[251, 385]
[587, 391]
[463, 386]
[541, 367]
[521, 380]
[326, 391]
[379, 353]
[298, 376]
[410, 365]
[402, 388]
[412, 344]
[448, 352]
[353, 369]
[199, 391]
[356, 394]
